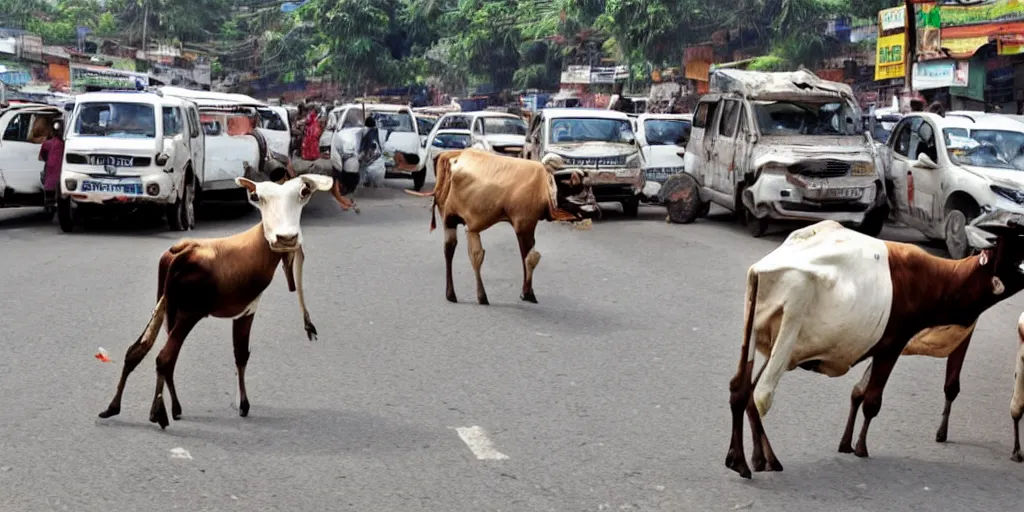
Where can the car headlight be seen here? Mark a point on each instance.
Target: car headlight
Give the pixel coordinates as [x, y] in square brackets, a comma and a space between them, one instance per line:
[633, 161]
[1014, 195]
[862, 169]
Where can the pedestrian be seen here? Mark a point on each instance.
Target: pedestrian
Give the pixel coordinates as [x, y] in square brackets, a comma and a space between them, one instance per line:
[52, 154]
[311, 138]
[937, 108]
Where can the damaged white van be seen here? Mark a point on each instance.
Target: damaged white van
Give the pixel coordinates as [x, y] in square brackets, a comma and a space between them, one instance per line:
[779, 146]
[132, 150]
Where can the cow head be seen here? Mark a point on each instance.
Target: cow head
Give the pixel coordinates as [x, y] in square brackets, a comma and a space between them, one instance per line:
[281, 207]
[574, 194]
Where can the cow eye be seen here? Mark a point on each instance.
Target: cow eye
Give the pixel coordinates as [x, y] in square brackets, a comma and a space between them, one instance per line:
[253, 197]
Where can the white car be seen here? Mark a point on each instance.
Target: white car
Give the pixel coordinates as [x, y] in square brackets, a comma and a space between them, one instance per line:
[946, 171]
[274, 125]
[134, 148]
[662, 139]
[497, 132]
[398, 132]
[20, 167]
[598, 142]
[446, 140]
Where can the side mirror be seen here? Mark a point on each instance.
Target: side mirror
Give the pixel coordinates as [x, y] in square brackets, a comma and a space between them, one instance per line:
[925, 162]
[631, 141]
[423, 143]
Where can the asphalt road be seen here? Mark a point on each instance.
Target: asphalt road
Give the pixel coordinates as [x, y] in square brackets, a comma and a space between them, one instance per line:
[611, 394]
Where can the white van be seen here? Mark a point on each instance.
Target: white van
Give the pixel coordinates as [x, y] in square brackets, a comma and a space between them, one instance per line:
[23, 129]
[134, 148]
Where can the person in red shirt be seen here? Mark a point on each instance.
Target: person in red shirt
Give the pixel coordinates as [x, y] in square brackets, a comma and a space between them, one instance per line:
[52, 154]
[311, 141]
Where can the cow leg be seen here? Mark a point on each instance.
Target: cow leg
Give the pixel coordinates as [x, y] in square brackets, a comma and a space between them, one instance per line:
[882, 366]
[451, 240]
[1017, 402]
[952, 388]
[136, 353]
[763, 457]
[530, 258]
[856, 399]
[240, 336]
[165, 369]
[741, 387]
[476, 257]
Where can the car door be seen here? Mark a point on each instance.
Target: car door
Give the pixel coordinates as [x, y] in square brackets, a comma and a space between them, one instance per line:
[532, 148]
[274, 130]
[723, 149]
[197, 143]
[899, 144]
[478, 134]
[701, 140]
[20, 166]
[925, 191]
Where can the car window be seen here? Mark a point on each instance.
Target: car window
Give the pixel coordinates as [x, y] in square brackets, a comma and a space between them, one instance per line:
[665, 132]
[353, 118]
[901, 142]
[705, 114]
[455, 123]
[501, 126]
[172, 121]
[394, 121]
[18, 129]
[925, 142]
[730, 116]
[452, 141]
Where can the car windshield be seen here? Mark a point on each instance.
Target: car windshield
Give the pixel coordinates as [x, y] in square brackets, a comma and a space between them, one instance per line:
[567, 130]
[665, 132]
[999, 149]
[452, 141]
[120, 120]
[394, 121]
[504, 126]
[425, 124]
[796, 118]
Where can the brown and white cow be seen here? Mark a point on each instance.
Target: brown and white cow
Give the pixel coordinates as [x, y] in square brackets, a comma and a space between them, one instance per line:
[480, 189]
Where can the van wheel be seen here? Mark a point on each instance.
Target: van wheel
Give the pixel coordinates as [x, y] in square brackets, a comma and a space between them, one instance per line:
[181, 213]
[418, 179]
[682, 200]
[65, 214]
[704, 210]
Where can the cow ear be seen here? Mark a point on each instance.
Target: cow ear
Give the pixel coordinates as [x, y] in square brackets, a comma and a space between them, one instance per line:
[322, 183]
[247, 184]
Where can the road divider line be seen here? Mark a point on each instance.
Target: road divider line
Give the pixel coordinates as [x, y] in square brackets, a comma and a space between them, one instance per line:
[479, 443]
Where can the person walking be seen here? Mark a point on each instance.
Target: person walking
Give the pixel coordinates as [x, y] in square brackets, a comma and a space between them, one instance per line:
[52, 154]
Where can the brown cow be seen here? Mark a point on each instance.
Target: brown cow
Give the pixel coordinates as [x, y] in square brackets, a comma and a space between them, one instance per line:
[480, 189]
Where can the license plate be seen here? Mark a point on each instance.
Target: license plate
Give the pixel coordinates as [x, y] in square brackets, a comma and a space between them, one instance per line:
[116, 161]
[116, 187]
[844, 193]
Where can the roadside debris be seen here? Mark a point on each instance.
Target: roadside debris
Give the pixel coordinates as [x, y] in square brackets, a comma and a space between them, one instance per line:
[102, 356]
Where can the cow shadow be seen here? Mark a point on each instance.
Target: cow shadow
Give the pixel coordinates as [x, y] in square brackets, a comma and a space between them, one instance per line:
[280, 431]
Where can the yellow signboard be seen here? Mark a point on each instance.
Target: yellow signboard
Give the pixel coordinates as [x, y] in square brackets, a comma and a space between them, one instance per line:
[891, 57]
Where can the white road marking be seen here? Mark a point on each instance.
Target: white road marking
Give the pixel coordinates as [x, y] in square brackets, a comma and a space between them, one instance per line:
[479, 444]
[180, 453]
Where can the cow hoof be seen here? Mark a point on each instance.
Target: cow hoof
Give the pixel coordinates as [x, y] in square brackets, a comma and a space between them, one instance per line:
[528, 297]
[861, 451]
[243, 408]
[759, 463]
[176, 412]
[774, 465]
[738, 465]
[845, 447]
[451, 298]
[483, 301]
[940, 436]
[111, 411]
[159, 415]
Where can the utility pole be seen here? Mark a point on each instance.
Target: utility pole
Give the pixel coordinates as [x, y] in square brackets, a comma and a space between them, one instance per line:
[145, 27]
[910, 51]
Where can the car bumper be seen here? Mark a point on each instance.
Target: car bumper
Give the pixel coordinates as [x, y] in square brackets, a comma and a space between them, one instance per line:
[86, 188]
[791, 197]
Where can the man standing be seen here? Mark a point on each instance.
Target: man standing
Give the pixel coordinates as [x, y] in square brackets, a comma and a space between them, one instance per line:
[52, 154]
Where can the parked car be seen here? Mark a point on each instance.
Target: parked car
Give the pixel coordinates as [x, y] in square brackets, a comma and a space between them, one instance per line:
[24, 128]
[274, 122]
[599, 142]
[786, 146]
[662, 139]
[231, 146]
[135, 149]
[498, 132]
[446, 140]
[398, 131]
[946, 171]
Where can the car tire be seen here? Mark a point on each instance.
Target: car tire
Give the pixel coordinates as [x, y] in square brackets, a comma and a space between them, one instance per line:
[419, 178]
[65, 214]
[874, 221]
[177, 216]
[631, 207]
[956, 234]
[682, 199]
[704, 210]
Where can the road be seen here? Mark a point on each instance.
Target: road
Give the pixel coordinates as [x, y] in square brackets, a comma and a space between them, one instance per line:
[611, 394]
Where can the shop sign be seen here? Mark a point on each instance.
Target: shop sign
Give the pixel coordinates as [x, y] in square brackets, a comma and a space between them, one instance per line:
[982, 12]
[964, 48]
[939, 74]
[106, 78]
[890, 57]
[892, 19]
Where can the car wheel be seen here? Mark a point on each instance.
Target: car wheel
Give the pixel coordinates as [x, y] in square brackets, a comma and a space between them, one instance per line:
[188, 220]
[65, 214]
[418, 179]
[704, 210]
[874, 221]
[682, 200]
[956, 234]
[631, 207]
[757, 227]
[177, 218]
